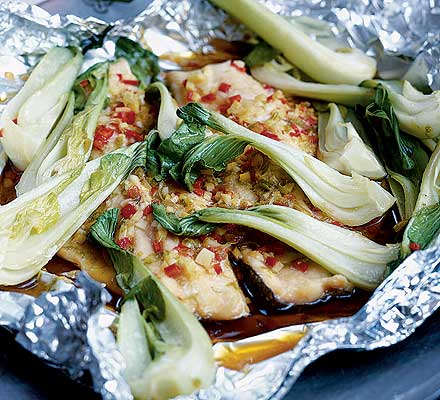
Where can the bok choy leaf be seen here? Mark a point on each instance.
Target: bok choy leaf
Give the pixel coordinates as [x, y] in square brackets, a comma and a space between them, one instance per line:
[339, 250]
[37, 224]
[31, 114]
[143, 63]
[70, 143]
[425, 222]
[352, 200]
[341, 147]
[166, 350]
[321, 63]
[275, 74]
[167, 120]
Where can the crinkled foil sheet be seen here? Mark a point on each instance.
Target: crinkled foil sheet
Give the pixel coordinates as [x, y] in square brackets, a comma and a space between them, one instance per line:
[70, 328]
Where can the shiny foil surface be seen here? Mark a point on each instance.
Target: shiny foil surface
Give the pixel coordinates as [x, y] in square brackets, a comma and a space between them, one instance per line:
[69, 326]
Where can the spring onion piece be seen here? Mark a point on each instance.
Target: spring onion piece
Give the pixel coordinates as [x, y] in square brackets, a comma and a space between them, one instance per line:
[37, 224]
[341, 147]
[353, 200]
[30, 115]
[339, 250]
[166, 350]
[70, 143]
[425, 222]
[418, 114]
[346, 65]
[167, 120]
[275, 75]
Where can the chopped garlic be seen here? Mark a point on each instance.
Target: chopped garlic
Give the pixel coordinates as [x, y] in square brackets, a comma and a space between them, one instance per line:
[205, 257]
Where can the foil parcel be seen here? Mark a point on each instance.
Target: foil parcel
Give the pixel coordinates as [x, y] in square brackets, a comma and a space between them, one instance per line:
[70, 328]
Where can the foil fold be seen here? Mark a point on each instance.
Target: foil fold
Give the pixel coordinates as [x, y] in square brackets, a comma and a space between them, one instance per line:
[70, 328]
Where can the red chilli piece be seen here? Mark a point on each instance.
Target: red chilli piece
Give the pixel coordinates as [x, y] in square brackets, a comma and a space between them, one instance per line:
[189, 95]
[84, 83]
[224, 87]
[128, 211]
[271, 261]
[154, 190]
[217, 268]
[134, 192]
[237, 66]
[184, 83]
[300, 265]
[128, 117]
[136, 136]
[124, 243]
[173, 270]
[313, 139]
[157, 246]
[148, 210]
[1, 132]
[197, 186]
[132, 82]
[270, 135]
[414, 246]
[102, 136]
[208, 98]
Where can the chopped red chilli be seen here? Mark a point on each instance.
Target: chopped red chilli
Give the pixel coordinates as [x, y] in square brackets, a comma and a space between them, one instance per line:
[414, 246]
[270, 135]
[133, 82]
[173, 270]
[84, 83]
[300, 265]
[148, 210]
[238, 66]
[218, 268]
[102, 136]
[157, 246]
[271, 261]
[224, 87]
[136, 136]
[128, 117]
[128, 211]
[208, 98]
[124, 243]
[134, 192]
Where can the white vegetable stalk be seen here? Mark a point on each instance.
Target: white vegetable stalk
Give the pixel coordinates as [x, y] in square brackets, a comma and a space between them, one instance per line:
[3, 159]
[418, 114]
[36, 225]
[350, 66]
[348, 95]
[353, 200]
[339, 250]
[187, 363]
[167, 121]
[341, 147]
[30, 115]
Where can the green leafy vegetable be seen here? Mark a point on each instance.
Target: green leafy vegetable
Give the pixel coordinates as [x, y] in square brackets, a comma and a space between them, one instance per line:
[143, 63]
[32, 113]
[339, 250]
[37, 224]
[323, 64]
[275, 74]
[70, 143]
[160, 344]
[425, 223]
[262, 53]
[418, 114]
[401, 154]
[351, 200]
[341, 147]
[166, 157]
[167, 120]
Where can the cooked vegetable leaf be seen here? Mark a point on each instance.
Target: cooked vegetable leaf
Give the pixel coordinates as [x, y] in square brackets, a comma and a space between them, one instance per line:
[341, 147]
[166, 157]
[30, 116]
[37, 224]
[167, 120]
[275, 74]
[159, 345]
[351, 200]
[339, 250]
[261, 54]
[70, 143]
[143, 63]
[187, 226]
[318, 61]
